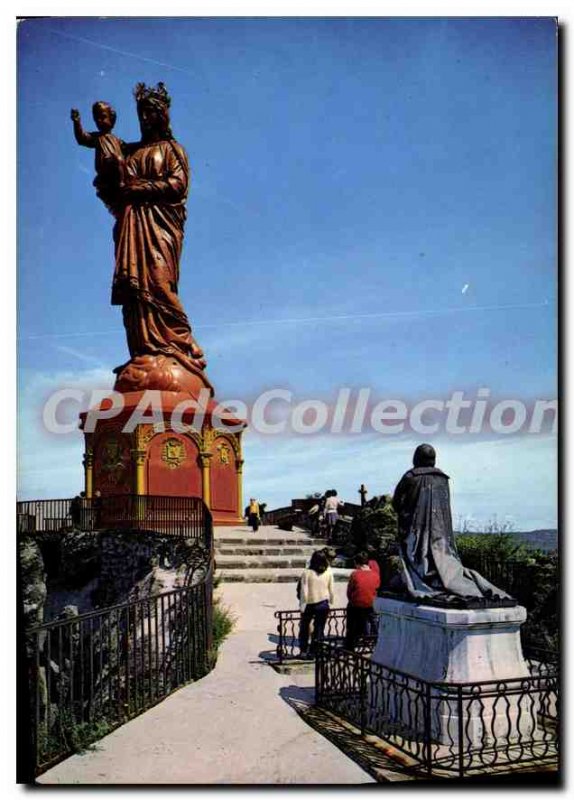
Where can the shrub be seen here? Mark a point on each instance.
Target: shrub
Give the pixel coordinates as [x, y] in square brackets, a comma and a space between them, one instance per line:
[222, 625]
[374, 526]
[499, 546]
[531, 576]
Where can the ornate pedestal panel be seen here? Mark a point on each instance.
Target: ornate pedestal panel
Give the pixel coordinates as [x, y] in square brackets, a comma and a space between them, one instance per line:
[157, 458]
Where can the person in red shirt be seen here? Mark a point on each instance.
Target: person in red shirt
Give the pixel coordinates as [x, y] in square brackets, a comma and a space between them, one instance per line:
[361, 591]
[373, 624]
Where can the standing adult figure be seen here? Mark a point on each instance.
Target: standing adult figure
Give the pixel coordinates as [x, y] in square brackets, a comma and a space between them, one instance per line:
[332, 507]
[75, 510]
[361, 593]
[148, 238]
[253, 514]
[316, 596]
[431, 565]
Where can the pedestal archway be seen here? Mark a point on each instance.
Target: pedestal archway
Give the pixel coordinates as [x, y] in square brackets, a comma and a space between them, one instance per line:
[174, 466]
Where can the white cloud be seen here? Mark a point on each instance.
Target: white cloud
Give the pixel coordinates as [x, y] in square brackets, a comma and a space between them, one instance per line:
[50, 465]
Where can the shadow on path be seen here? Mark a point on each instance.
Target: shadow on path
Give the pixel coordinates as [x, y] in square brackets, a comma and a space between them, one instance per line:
[369, 756]
[298, 697]
[267, 655]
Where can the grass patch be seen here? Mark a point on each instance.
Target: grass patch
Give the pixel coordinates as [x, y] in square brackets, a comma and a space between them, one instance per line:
[69, 736]
[223, 623]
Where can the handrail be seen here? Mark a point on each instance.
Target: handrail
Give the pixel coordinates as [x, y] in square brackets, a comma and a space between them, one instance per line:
[107, 666]
[288, 622]
[182, 517]
[112, 663]
[443, 728]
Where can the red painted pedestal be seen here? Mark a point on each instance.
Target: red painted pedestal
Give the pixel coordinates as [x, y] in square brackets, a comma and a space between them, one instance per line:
[153, 458]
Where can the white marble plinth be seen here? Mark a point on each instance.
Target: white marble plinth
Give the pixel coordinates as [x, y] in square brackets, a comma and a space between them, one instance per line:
[450, 645]
[453, 646]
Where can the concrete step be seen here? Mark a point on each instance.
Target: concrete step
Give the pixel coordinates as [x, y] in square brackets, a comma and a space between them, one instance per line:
[292, 539]
[239, 561]
[269, 575]
[265, 550]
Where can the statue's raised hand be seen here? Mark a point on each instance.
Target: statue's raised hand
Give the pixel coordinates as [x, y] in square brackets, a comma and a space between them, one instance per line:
[74, 115]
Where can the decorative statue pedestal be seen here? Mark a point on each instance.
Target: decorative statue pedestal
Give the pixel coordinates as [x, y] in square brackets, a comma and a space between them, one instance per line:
[145, 461]
[447, 647]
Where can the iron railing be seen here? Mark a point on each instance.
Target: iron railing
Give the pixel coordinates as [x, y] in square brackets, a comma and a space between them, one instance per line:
[512, 575]
[92, 672]
[273, 516]
[288, 623]
[460, 729]
[300, 514]
[184, 517]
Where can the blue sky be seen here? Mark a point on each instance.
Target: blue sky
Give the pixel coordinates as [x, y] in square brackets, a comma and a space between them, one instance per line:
[350, 177]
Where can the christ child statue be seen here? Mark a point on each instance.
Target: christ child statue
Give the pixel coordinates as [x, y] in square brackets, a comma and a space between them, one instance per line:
[109, 161]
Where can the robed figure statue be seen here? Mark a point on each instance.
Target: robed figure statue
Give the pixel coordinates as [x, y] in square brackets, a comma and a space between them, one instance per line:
[148, 202]
[431, 567]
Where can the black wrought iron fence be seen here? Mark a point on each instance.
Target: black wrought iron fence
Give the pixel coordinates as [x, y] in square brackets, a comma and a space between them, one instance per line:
[300, 516]
[95, 671]
[185, 517]
[288, 623]
[512, 575]
[271, 517]
[444, 728]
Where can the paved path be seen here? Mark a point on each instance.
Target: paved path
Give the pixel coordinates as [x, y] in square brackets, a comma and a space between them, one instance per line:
[235, 726]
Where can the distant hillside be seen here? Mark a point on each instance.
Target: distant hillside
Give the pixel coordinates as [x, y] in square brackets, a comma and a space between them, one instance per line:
[538, 540]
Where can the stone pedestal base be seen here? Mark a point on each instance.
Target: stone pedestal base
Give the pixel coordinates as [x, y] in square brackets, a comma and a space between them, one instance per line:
[449, 647]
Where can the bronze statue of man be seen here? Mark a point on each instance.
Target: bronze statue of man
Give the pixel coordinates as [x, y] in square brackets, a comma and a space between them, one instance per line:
[149, 206]
[431, 567]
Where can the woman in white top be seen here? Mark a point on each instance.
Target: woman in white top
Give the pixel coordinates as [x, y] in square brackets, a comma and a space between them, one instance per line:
[316, 596]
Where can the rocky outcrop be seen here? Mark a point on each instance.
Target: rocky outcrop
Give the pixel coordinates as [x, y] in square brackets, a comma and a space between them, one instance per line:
[134, 565]
[79, 559]
[97, 569]
[33, 575]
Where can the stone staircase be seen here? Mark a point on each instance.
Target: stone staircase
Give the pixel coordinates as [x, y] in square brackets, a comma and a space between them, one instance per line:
[268, 556]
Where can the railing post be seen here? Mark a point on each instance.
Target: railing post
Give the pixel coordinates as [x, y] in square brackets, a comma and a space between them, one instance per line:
[280, 642]
[209, 610]
[319, 672]
[428, 730]
[460, 733]
[362, 691]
